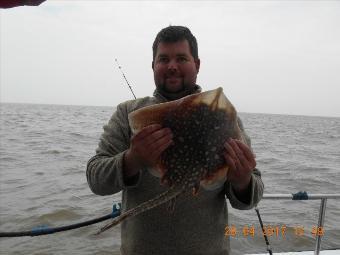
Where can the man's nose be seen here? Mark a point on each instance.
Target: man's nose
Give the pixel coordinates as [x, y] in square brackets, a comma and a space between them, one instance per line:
[172, 65]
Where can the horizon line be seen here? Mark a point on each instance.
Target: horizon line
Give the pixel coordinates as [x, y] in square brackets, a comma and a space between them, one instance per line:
[268, 113]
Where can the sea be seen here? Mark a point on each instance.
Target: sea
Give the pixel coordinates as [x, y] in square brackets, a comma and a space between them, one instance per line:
[43, 154]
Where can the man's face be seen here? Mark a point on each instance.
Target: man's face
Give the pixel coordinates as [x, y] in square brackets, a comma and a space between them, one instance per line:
[175, 69]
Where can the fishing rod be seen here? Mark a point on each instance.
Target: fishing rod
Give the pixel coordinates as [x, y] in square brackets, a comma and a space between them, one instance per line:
[269, 249]
[120, 68]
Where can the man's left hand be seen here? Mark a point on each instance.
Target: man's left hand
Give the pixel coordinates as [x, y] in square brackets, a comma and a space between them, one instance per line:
[241, 162]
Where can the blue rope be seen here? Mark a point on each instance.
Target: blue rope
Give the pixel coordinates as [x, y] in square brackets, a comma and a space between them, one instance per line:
[116, 208]
[41, 230]
[301, 195]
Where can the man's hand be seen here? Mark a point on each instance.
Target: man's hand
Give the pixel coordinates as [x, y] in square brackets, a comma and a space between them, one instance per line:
[146, 147]
[241, 162]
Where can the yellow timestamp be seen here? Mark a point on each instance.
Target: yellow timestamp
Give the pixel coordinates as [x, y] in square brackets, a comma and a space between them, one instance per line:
[271, 230]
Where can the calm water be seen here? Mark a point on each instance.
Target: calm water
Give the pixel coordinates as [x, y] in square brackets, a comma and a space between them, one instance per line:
[43, 155]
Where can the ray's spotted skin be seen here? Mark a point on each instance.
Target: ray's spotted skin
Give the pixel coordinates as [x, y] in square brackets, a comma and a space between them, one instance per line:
[201, 123]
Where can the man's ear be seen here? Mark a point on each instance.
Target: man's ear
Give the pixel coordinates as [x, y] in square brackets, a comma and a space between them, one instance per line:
[152, 65]
[197, 64]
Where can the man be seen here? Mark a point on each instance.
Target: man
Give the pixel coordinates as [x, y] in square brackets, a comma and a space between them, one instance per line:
[197, 225]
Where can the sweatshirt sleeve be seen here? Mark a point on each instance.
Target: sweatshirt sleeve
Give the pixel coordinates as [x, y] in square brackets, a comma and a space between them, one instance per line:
[256, 185]
[105, 170]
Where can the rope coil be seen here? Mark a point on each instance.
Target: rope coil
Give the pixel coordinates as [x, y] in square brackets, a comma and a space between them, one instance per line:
[301, 195]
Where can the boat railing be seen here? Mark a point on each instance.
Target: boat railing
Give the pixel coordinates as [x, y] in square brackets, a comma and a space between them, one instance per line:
[305, 196]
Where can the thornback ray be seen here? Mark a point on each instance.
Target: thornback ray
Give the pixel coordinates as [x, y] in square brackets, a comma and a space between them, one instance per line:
[201, 123]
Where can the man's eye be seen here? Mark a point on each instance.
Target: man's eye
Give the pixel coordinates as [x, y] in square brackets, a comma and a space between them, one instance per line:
[163, 60]
[182, 59]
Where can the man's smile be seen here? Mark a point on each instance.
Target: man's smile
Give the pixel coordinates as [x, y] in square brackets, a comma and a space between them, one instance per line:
[172, 79]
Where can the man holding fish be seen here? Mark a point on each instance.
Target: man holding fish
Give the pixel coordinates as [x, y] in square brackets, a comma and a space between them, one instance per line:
[124, 160]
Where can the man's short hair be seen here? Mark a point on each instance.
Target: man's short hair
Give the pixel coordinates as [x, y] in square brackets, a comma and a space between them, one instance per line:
[172, 34]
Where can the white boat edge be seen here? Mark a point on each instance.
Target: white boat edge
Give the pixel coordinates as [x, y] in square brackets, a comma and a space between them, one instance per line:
[324, 252]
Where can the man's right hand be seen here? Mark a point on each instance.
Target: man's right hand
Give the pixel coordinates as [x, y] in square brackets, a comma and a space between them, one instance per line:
[146, 147]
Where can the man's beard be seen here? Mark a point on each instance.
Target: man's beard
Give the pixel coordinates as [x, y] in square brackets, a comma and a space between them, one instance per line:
[184, 90]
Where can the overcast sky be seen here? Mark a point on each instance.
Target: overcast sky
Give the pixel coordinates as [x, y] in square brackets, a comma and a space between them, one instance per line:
[269, 56]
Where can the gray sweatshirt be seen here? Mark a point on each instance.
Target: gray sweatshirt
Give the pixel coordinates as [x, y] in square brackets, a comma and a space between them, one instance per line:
[196, 226]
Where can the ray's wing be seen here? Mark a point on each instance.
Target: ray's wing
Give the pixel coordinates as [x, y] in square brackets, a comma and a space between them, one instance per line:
[217, 101]
[182, 109]
[153, 114]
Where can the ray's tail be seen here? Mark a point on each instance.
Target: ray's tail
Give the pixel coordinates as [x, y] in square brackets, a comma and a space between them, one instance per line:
[152, 203]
